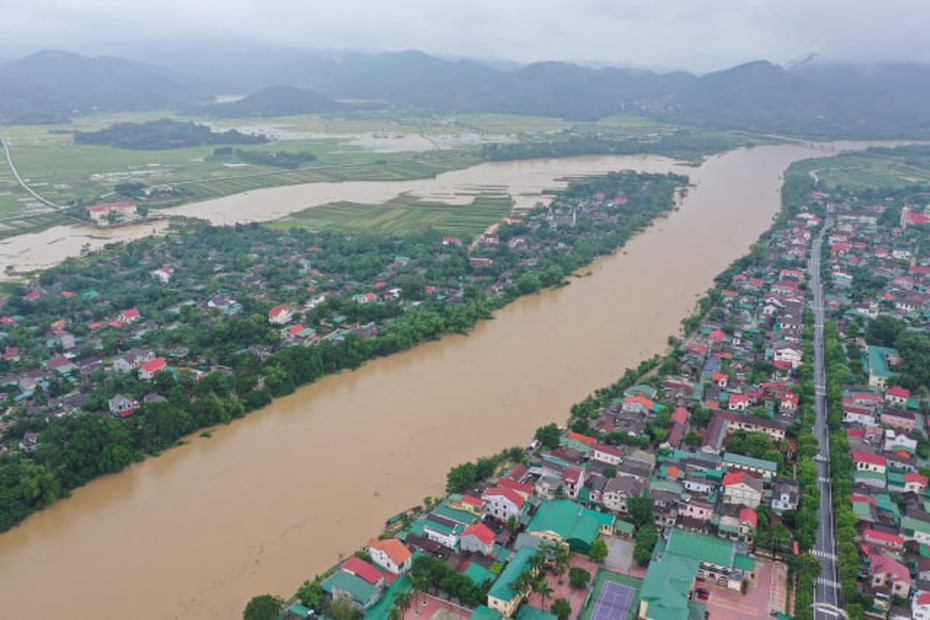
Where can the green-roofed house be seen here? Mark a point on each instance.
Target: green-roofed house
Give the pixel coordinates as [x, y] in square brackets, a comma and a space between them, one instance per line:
[759, 467]
[362, 593]
[528, 612]
[666, 589]
[484, 612]
[501, 596]
[382, 609]
[915, 529]
[879, 361]
[563, 521]
[719, 560]
[478, 574]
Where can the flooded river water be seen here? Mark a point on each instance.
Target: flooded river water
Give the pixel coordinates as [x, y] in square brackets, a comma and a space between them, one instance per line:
[273, 499]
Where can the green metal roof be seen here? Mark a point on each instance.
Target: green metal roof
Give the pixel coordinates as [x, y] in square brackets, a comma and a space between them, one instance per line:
[485, 613]
[744, 562]
[575, 523]
[478, 574]
[359, 589]
[748, 461]
[528, 612]
[501, 589]
[878, 361]
[700, 547]
[667, 585]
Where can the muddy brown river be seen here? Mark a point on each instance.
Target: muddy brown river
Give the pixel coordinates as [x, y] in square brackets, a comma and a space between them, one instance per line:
[273, 499]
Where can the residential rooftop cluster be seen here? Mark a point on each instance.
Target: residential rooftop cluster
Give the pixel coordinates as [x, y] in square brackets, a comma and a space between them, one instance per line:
[676, 482]
[878, 298]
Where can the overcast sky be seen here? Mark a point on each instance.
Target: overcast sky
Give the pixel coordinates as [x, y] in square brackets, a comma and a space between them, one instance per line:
[699, 35]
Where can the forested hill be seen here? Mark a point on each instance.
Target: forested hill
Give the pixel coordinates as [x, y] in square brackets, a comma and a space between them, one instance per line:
[814, 99]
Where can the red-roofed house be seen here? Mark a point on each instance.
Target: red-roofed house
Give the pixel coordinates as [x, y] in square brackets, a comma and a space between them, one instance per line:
[520, 488]
[789, 403]
[572, 480]
[892, 542]
[680, 415]
[866, 461]
[147, 370]
[738, 402]
[897, 396]
[477, 538]
[581, 438]
[915, 483]
[128, 316]
[886, 572]
[362, 569]
[468, 503]
[607, 454]
[280, 315]
[638, 404]
[721, 379]
[502, 503]
[742, 488]
[390, 554]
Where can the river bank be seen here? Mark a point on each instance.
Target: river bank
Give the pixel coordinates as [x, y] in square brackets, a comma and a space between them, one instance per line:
[327, 465]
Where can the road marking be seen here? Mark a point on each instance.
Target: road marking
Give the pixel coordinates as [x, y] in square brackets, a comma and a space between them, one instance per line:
[823, 554]
[823, 581]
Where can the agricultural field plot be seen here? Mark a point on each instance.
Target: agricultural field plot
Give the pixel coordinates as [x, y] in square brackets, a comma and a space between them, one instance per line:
[896, 168]
[407, 214]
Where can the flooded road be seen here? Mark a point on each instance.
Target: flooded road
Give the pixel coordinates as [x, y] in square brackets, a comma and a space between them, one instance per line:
[275, 498]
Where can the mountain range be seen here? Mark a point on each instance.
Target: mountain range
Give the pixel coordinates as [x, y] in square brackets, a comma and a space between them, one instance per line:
[811, 98]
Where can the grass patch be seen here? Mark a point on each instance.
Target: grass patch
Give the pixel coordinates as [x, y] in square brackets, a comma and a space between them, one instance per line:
[406, 214]
[890, 168]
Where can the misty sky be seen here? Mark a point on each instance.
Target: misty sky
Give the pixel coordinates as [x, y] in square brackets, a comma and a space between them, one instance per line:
[699, 35]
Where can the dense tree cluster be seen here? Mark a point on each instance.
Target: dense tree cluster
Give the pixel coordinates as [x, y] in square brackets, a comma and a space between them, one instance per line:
[164, 134]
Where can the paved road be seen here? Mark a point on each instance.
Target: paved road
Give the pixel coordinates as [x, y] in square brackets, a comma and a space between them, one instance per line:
[19, 179]
[826, 587]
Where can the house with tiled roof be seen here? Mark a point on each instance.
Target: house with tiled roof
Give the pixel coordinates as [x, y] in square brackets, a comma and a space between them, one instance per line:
[477, 538]
[390, 554]
[886, 573]
[360, 568]
[617, 491]
[148, 370]
[869, 462]
[343, 584]
[502, 503]
[742, 488]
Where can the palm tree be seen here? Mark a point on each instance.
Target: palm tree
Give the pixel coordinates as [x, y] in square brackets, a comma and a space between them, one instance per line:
[402, 602]
[541, 587]
[562, 559]
[522, 584]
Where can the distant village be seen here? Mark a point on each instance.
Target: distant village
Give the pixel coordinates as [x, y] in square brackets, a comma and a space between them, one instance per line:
[675, 493]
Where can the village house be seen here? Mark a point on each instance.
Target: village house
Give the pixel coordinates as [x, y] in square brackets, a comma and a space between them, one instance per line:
[102, 213]
[501, 503]
[742, 488]
[477, 538]
[390, 554]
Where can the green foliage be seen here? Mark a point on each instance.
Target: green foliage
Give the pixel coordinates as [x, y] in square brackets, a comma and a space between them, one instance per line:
[548, 436]
[311, 594]
[884, 330]
[640, 510]
[280, 159]
[463, 477]
[263, 607]
[561, 608]
[163, 134]
[598, 550]
[646, 539]
[578, 577]
[430, 572]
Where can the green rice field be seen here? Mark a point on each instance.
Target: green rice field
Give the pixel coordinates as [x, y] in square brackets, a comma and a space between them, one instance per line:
[406, 214]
